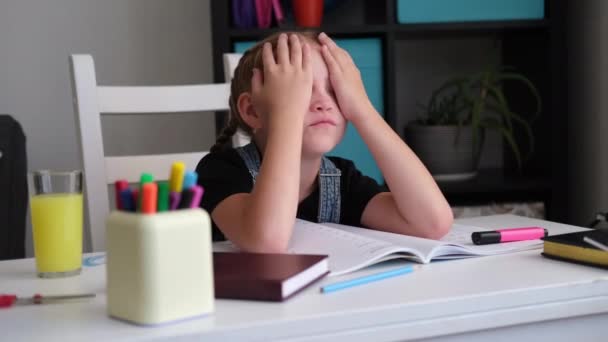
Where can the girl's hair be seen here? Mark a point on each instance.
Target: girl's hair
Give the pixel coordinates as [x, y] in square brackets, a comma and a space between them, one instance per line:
[241, 82]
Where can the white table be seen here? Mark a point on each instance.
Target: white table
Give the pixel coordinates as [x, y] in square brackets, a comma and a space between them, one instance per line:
[521, 296]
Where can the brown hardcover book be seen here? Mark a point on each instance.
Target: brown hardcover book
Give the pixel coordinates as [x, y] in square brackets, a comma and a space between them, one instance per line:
[573, 248]
[268, 277]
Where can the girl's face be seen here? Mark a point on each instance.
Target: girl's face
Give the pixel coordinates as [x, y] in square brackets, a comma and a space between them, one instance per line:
[324, 124]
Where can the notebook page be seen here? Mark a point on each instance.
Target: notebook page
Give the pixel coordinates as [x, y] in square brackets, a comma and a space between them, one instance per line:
[347, 252]
[459, 241]
[456, 244]
[423, 247]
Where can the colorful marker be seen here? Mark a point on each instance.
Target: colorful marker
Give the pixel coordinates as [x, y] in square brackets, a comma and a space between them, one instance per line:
[149, 198]
[126, 200]
[176, 182]
[197, 196]
[119, 186]
[186, 200]
[163, 196]
[509, 235]
[143, 179]
[134, 198]
[189, 180]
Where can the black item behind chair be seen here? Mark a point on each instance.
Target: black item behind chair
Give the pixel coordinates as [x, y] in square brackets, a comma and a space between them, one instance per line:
[13, 189]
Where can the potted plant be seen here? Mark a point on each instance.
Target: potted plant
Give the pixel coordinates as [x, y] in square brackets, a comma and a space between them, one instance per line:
[449, 137]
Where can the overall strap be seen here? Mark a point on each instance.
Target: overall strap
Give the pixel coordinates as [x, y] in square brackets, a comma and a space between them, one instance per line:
[250, 155]
[329, 182]
[329, 192]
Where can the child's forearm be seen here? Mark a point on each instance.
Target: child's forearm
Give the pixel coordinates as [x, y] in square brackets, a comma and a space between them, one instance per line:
[416, 195]
[279, 99]
[415, 204]
[272, 208]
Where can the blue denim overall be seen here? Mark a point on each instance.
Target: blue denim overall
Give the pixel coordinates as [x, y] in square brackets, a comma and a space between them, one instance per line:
[329, 182]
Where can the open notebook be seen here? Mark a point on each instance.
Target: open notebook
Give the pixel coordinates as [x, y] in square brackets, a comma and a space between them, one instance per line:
[351, 248]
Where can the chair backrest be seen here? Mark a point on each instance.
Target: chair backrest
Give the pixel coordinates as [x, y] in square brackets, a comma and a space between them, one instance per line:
[92, 100]
[231, 60]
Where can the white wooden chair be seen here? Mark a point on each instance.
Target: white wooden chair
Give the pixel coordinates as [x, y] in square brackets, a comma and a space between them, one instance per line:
[92, 100]
[231, 60]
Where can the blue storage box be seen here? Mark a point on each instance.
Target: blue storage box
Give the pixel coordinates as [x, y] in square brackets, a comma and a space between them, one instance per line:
[435, 11]
[367, 54]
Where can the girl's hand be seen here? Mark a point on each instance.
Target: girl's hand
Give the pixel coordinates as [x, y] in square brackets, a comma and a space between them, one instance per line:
[346, 80]
[283, 92]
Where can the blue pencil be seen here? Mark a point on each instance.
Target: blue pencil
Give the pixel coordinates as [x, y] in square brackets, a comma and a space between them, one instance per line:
[366, 279]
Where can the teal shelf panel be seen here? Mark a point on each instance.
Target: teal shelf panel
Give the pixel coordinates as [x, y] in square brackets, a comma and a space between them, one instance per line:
[442, 11]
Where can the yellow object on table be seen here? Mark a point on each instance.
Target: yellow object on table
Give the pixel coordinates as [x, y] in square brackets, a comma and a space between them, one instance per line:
[57, 226]
[159, 266]
[56, 211]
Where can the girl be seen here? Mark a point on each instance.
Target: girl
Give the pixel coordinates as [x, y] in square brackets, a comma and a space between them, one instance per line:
[294, 93]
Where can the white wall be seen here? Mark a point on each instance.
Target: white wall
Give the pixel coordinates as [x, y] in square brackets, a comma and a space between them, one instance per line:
[588, 108]
[132, 42]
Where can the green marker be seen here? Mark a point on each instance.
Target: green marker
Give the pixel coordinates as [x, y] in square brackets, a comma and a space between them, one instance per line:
[163, 196]
[145, 178]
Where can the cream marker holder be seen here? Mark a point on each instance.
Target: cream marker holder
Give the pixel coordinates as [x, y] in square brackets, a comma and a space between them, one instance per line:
[159, 266]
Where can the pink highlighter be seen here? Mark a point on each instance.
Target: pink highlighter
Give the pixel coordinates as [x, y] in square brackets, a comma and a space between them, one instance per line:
[509, 235]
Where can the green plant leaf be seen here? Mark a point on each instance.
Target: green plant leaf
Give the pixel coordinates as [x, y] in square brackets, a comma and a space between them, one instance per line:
[478, 100]
[525, 125]
[506, 76]
[445, 106]
[502, 104]
[492, 123]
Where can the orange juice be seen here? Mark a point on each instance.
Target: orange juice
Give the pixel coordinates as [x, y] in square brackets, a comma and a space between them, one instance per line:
[57, 225]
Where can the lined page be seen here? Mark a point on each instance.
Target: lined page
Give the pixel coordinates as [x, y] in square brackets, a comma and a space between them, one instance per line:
[423, 247]
[459, 238]
[347, 252]
[352, 248]
[456, 244]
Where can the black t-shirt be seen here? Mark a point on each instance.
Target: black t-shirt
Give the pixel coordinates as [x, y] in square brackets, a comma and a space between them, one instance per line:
[224, 173]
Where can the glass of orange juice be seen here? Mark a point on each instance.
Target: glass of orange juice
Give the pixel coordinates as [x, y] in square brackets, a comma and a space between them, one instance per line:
[56, 209]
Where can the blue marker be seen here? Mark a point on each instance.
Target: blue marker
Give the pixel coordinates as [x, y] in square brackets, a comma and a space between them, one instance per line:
[190, 179]
[126, 197]
[366, 279]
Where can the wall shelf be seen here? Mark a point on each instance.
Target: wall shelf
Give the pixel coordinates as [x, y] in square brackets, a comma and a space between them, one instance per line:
[488, 27]
[493, 185]
[535, 47]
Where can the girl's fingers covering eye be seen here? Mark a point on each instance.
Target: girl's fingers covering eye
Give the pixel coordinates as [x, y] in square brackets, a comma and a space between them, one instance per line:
[324, 38]
[331, 62]
[267, 56]
[283, 49]
[306, 56]
[338, 53]
[296, 50]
